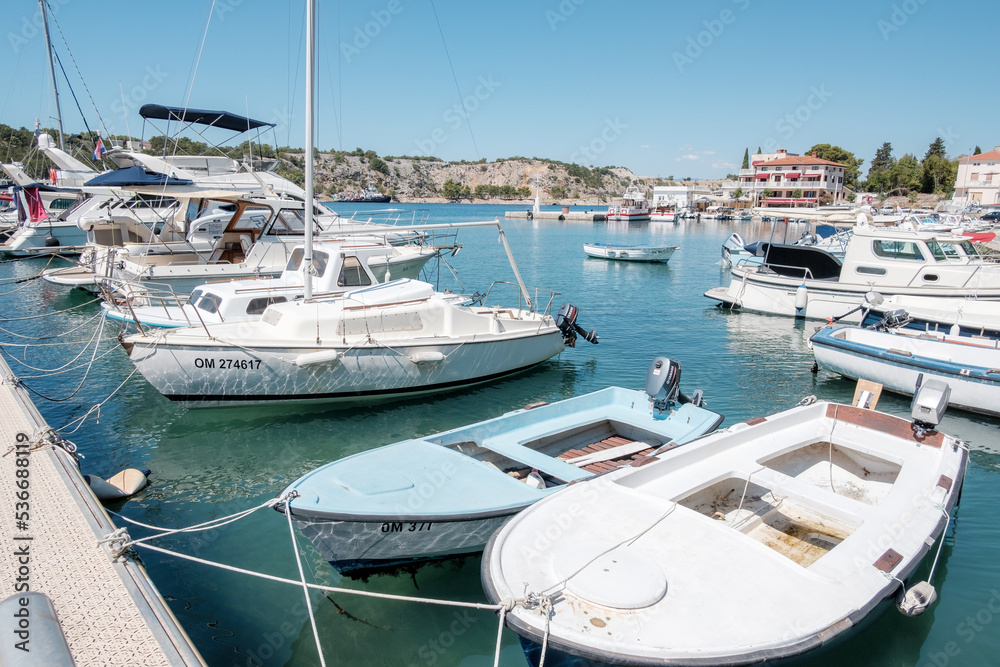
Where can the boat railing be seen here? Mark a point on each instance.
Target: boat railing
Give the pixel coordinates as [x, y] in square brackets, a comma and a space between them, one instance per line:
[387, 216]
[536, 291]
[162, 296]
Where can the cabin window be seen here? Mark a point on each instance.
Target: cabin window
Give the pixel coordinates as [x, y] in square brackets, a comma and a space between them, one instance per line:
[937, 252]
[352, 274]
[206, 301]
[930, 278]
[258, 306]
[319, 261]
[61, 204]
[288, 222]
[906, 250]
[871, 270]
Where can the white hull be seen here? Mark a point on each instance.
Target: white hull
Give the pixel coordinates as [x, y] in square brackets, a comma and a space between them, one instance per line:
[777, 296]
[896, 361]
[31, 240]
[630, 253]
[217, 374]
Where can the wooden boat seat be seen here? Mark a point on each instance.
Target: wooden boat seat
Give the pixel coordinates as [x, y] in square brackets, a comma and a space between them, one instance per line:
[614, 459]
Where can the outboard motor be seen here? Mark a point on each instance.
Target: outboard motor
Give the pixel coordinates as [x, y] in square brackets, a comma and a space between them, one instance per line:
[663, 385]
[930, 400]
[566, 321]
[663, 382]
[893, 319]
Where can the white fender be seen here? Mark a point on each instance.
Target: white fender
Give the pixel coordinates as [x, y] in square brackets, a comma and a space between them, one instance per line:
[124, 484]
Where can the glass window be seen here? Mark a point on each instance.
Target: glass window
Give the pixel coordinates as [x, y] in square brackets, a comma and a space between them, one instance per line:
[937, 252]
[208, 302]
[320, 261]
[908, 250]
[288, 222]
[871, 270]
[258, 306]
[352, 274]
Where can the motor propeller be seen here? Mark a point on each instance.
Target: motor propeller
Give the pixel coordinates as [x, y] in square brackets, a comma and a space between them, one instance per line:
[566, 321]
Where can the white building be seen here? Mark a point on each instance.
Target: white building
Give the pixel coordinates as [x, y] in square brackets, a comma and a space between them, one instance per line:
[679, 196]
[978, 179]
[783, 173]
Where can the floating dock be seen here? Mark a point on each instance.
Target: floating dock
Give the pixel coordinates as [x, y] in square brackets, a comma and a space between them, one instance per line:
[109, 612]
[582, 216]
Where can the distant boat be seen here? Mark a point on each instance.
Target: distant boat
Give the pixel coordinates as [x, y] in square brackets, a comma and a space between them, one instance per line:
[444, 494]
[764, 541]
[634, 206]
[663, 213]
[630, 253]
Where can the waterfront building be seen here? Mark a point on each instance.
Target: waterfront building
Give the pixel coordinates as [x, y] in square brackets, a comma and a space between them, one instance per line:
[679, 196]
[978, 179]
[819, 180]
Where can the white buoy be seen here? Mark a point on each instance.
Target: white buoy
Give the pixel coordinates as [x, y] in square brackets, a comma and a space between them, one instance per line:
[310, 358]
[124, 484]
[917, 599]
[801, 299]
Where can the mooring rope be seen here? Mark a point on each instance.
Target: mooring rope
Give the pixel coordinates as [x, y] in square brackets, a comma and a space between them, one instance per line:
[119, 542]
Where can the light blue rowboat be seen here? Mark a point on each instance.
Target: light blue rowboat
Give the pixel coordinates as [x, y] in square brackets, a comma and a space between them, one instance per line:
[445, 494]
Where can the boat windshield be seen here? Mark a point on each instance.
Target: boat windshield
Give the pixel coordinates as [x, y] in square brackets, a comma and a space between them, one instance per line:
[205, 301]
[939, 253]
[288, 222]
[352, 274]
[320, 261]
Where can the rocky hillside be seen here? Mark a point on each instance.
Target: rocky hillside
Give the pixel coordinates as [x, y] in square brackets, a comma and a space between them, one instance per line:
[417, 179]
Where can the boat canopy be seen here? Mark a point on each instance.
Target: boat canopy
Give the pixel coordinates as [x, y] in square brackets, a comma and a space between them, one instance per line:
[223, 119]
[130, 176]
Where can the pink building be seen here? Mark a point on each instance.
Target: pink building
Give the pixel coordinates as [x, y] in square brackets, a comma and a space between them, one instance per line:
[783, 173]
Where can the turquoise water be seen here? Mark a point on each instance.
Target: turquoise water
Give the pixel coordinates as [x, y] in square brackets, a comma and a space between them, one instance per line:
[212, 463]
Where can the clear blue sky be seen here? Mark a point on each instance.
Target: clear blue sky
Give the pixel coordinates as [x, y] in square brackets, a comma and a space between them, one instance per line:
[664, 88]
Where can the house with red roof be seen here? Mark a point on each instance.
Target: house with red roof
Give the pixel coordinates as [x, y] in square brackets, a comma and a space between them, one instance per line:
[978, 178]
[781, 174]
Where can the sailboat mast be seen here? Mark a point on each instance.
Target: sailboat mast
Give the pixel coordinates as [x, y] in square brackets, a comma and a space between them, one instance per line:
[310, 85]
[52, 71]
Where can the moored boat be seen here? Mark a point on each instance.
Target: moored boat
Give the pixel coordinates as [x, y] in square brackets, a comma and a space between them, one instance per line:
[762, 542]
[444, 494]
[900, 359]
[630, 253]
[634, 206]
[805, 281]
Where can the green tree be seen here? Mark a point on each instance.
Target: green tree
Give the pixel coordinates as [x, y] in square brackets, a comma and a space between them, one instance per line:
[738, 193]
[746, 158]
[977, 151]
[451, 189]
[378, 164]
[878, 173]
[766, 193]
[758, 150]
[852, 165]
[938, 174]
[936, 148]
[905, 175]
[797, 193]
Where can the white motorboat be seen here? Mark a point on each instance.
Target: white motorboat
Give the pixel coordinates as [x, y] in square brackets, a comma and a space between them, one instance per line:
[396, 339]
[663, 213]
[761, 542]
[340, 267]
[634, 206]
[900, 359]
[804, 281]
[630, 253]
[444, 494]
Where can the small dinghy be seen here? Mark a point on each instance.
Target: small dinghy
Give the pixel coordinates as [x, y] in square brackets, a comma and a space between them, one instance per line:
[445, 494]
[630, 253]
[761, 542]
[899, 358]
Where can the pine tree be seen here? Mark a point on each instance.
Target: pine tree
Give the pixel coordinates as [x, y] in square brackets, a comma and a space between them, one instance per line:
[746, 158]
[936, 148]
[758, 150]
[977, 151]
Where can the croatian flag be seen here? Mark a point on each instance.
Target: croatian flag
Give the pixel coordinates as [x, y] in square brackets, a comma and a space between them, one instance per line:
[99, 149]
